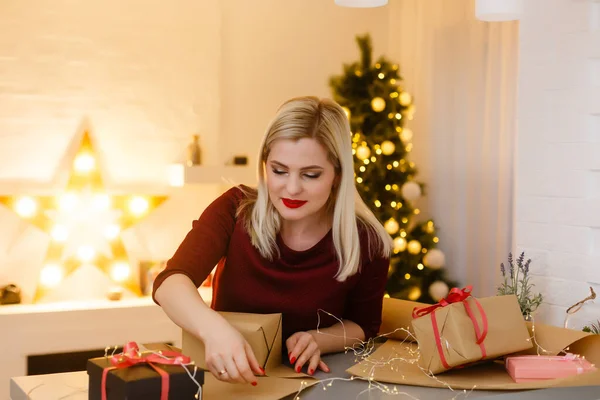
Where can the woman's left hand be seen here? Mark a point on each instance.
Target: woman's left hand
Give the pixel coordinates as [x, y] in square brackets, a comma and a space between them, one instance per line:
[303, 349]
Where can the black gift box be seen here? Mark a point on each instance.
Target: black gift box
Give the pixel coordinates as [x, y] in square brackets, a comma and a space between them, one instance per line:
[141, 381]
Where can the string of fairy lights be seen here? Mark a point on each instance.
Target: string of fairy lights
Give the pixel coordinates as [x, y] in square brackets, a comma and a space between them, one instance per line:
[362, 352]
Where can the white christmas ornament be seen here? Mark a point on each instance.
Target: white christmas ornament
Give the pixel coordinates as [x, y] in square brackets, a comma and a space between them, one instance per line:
[411, 191]
[388, 147]
[406, 135]
[414, 247]
[438, 290]
[434, 259]
[405, 99]
[363, 152]
[498, 10]
[391, 226]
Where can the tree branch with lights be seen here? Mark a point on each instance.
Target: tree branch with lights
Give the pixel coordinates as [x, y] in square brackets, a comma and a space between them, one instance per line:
[378, 109]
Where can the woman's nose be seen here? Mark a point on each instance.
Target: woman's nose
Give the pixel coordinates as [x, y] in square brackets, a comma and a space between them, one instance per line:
[294, 185]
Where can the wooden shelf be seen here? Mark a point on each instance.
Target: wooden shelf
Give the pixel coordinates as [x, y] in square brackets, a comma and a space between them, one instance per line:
[209, 174]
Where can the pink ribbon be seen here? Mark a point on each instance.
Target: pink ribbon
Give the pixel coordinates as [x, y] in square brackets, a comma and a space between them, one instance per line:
[456, 295]
[131, 356]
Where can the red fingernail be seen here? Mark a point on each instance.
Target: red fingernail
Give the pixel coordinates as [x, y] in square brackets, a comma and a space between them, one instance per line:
[262, 370]
[292, 360]
[311, 371]
[298, 369]
[254, 383]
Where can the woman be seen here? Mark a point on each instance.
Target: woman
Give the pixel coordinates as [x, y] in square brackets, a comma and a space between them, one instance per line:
[302, 241]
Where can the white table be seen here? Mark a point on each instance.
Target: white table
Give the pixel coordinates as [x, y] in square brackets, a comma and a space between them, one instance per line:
[73, 386]
[79, 326]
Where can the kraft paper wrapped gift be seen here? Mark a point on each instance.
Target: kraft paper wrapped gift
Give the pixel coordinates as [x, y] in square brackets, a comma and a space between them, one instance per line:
[462, 329]
[536, 368]
[263, 333]
[395, 361]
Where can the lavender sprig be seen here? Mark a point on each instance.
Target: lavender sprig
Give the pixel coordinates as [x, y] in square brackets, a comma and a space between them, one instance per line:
[519, 285]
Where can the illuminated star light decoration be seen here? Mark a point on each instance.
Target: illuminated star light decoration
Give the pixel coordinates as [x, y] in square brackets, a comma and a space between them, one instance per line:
[84, 223]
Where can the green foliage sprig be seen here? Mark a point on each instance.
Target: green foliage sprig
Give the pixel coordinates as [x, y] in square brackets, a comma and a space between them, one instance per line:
[593, 328]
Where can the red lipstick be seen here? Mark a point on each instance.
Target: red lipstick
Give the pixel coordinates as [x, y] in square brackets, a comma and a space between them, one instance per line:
[289, 203]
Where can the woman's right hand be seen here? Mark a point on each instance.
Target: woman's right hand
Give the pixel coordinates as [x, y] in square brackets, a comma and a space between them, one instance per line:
[229, 357]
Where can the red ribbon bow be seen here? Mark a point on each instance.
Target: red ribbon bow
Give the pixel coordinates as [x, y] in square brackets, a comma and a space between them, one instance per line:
[131, 356]
[456, 295]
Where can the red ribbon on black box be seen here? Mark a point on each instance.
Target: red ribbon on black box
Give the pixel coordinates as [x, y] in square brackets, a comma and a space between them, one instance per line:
[456, 295]
[135, 375]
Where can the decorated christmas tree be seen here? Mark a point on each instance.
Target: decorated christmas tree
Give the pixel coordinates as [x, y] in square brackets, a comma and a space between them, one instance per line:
[379, 110]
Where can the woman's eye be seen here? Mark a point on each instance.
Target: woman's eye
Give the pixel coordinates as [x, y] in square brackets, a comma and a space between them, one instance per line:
[312, 176]
[278, 172]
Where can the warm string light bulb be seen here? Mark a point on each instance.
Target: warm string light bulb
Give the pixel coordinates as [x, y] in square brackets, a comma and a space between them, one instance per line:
[84, 163]
[86, 253]
[138, 205]
[112, 231]
[51, 275]
[120, 271]
[59, 233]
[26, 207]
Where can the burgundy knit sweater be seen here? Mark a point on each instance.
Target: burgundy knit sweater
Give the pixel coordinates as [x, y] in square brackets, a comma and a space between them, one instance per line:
[296, 284]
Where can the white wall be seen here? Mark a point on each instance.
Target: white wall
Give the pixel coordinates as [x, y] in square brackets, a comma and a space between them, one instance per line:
[274, 50]
[462, 73]
[147, 75]
[558, 168]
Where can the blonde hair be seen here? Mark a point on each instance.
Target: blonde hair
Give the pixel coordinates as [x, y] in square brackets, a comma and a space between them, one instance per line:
[325, 121]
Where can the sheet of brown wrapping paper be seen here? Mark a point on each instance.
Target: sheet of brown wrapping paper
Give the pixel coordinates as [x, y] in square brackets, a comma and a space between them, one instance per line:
[396, 360]
[263, 333]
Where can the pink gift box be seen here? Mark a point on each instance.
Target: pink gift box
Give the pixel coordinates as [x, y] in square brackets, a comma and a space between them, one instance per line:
[535, 368]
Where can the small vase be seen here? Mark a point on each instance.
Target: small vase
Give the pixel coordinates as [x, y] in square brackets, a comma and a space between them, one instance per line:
[194, 152]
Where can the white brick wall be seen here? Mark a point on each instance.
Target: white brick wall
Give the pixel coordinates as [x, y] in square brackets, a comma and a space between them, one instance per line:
[558, 166]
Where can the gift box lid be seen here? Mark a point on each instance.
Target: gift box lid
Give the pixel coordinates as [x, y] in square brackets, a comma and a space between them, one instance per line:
[141, 381]
[527, 368]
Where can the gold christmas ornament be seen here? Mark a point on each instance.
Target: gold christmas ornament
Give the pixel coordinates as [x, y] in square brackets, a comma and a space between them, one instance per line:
[414, 247]
[429, 228]
[347, 111]
[378, 104]
[388, 148]
[391, 226]
[406, 135]
[405, 99]
[363, 152]
[399, 244]
[414, 293]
